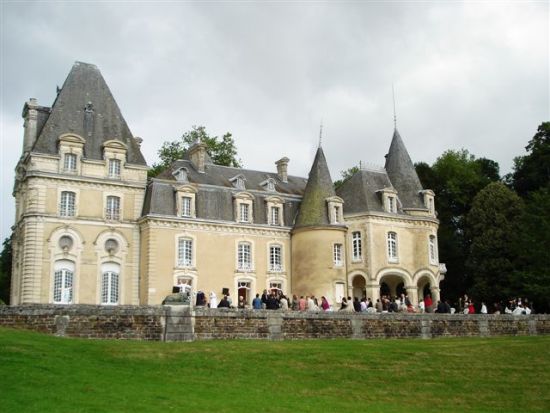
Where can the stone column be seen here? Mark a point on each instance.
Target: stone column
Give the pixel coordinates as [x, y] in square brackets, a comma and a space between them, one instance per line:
[435, 295]
[373, 291]
[412, 292]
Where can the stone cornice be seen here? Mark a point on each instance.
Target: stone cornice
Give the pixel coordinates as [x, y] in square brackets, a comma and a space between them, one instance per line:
[390, 217]
[90, 182]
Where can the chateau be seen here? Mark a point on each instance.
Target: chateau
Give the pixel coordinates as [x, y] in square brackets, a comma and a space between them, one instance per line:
[92, 229]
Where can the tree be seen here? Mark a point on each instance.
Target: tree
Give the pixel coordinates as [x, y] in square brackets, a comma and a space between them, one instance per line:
[493, 224]
[222, 150]
[5, 271]
[456, 177]
[532, 276]
[532, 171]
[347, 174]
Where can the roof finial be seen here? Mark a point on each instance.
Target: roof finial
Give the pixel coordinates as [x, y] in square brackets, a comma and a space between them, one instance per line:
[394, 114]
[321, 134]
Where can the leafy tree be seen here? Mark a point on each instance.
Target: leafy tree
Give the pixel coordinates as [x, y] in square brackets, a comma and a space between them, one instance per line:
[532, 277]
[5, 271]
[493, 225]
[222, 150]
[456, 177]
[532, 171]
[347, 174]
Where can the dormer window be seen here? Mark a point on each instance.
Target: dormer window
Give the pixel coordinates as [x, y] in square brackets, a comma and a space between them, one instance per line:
[186, 206]
[69, 163]
[238, 181]
[269, 185]
[275, 210]
[429, 204]
[114, 168]
[389, 200]
[335, 210]
[392, 208]
[185, 200]
[181, 175]
[243, 207]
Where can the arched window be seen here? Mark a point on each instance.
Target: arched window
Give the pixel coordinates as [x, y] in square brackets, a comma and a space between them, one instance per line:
[63, 282]
[67, 204]
[244, 256]
[110, 283]
[392, 246]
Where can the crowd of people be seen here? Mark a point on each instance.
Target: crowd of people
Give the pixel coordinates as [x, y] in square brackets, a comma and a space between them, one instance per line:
[275, 300]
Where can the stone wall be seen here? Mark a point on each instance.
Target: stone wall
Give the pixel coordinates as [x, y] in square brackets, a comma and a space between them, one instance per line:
[180, 323]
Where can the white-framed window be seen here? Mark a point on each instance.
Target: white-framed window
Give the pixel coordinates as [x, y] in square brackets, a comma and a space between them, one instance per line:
[186, 206]
[69, 162]
[244, 256]
[114, 168]
[432, 245]
[275, 258]
[274, 215]
[63, 282]
[431, 205]
[357, 247]
[185, 252]
[112, 208]
[392, 206]
[337, 255]
[244, 212]
[275, 286]
[109, 287]
[339, 292]
[67, 204]
[392, 246]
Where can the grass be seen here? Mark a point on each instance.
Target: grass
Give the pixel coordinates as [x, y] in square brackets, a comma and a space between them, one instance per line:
[48, 374]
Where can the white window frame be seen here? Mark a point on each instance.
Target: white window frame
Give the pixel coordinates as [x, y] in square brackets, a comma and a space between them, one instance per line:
[67, 204]
[186, 204]
[275, 216]
[356, 246]
[244, 212]
[70, 161]
[392, 246]
[275, 258]
[244, 256]
[337, 255]
[113, 204]
[110, 291]
[63, 282]
[115, 168]
[185, 252]
[392, 204]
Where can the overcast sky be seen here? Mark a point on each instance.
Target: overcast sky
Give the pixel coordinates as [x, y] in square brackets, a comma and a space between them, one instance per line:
[469, 75]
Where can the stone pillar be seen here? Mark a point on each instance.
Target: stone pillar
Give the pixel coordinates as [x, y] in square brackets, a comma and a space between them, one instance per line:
[435, 295]
[412, 292]
[373, 291]
[31, 271]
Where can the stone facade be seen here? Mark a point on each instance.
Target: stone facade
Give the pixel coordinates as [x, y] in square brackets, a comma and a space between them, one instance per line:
[181, 323]
[90, 228]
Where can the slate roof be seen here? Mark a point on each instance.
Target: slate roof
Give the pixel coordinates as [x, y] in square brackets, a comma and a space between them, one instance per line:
[313, 210]
[359, 191]
[216, 202]
[103, 122]
[402, 174]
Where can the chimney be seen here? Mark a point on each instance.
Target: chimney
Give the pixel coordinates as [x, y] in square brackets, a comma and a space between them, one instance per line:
[197, 154]
[282, 169]
[30, 114]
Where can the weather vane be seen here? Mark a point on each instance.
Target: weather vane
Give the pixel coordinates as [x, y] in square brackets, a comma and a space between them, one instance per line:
[321, 133]
[394, 114]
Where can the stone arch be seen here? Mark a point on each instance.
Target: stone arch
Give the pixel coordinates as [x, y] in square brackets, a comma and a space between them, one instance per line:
[396, 280]
[357, 281]
[426, 282]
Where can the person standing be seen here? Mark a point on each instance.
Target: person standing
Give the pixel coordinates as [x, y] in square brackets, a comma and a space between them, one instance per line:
[257, 303]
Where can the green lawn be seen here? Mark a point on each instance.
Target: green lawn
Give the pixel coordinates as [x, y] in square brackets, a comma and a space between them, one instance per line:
[48, 374]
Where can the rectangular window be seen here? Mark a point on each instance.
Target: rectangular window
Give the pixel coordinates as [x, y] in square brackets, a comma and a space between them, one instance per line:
[275, 216]
[336, 214]
[67, 204]
[112, 210]
[244, 215]
[391, 204]
[244, 256]
[275, 258]
[356, 246]
[392, 246]
[185, 252]
[109, 288]
[114, 168]
[337, 255]
[63, 287]
[433, 250]
[69, 162]
[185, 206]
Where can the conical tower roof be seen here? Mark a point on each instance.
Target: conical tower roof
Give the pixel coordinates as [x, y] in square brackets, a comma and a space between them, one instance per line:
[313, 209]
[86, 107]
[402, 173]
